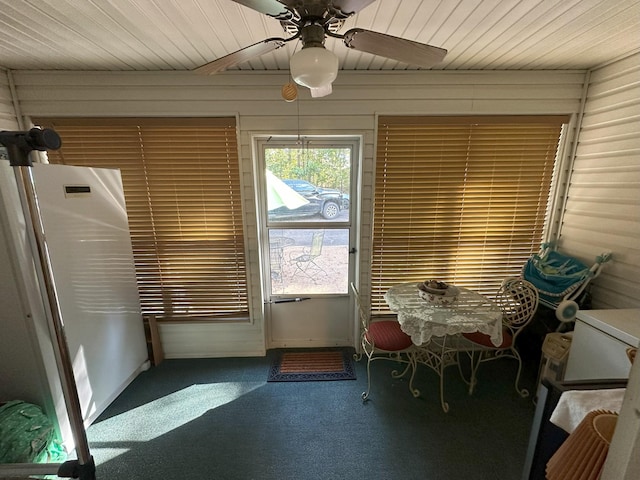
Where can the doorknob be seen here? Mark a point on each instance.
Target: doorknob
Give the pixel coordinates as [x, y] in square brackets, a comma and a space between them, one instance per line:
[352, 250]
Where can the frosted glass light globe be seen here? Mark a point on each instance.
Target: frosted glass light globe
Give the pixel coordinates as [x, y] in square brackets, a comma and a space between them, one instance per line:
[314, 67]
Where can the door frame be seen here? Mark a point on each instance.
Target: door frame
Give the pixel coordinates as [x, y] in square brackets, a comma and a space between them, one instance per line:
[335, 305]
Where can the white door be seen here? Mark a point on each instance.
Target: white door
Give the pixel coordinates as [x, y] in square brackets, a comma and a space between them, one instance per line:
[308, 239]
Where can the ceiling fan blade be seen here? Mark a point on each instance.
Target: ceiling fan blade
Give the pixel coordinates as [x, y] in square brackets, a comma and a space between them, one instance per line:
[240, 56]
[396, 48]
[273, 8]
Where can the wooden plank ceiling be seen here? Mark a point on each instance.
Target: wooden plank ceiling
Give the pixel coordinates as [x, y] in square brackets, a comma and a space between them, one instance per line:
[151, 35]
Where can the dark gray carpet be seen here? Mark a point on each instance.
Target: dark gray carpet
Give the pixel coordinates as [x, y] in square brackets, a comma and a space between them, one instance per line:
[221, 419]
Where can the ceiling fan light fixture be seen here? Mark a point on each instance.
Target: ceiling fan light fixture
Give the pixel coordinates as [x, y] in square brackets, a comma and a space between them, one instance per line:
[321, 91]
[314, 67]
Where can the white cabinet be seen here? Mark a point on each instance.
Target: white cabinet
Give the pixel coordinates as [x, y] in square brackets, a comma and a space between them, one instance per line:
[600, 342]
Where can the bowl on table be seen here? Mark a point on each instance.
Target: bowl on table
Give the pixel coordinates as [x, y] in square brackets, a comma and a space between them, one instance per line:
[438, 293]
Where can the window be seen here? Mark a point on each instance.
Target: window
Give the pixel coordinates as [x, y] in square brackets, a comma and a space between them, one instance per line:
[307, 190]
[182, 187]
[460, 199]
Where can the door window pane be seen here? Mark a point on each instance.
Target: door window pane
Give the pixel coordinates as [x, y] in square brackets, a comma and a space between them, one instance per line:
[309, 261]
[307, 184]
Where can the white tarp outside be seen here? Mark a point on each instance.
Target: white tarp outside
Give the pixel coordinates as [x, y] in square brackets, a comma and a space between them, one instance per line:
[279, 194]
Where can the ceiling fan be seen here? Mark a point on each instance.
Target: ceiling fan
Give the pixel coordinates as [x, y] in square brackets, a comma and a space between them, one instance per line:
[312, 21]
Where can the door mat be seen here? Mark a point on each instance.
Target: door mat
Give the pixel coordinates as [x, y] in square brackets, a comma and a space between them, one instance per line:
[311, 365]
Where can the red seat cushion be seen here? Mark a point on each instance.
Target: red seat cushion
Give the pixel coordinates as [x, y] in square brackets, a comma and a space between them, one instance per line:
[387, 335]
[485, 340]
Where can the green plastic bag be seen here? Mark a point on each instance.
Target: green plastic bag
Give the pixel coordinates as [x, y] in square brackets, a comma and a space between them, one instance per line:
[27, 435]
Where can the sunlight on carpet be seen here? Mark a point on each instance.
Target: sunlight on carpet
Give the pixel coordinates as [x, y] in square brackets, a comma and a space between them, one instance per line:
[156, 418]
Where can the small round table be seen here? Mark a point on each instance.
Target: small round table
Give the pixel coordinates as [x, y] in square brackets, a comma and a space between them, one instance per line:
[434, 329]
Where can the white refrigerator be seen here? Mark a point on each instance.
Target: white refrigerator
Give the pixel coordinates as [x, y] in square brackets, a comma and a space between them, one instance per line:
[86, 230]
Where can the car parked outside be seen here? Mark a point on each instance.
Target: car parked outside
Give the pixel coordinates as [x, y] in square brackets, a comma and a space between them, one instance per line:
[345, 196]
[324, 201]
[302, 186]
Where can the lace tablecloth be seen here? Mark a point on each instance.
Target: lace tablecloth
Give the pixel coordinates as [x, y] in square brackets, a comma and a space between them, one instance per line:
[421, 320]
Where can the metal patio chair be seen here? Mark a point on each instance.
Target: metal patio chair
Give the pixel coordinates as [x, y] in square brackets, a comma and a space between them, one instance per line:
[383, 340]
[305, 263]
[518, 300]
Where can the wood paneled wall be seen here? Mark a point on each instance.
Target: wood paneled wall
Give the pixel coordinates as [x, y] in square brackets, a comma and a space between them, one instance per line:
[8, 120]
[603, 202]
[254, 98]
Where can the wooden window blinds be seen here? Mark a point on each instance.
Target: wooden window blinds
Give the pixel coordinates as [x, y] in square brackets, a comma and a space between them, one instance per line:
[182, 187]
[460, 199]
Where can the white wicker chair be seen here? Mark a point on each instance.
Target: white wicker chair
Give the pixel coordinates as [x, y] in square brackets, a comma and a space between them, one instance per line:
[518, 300]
